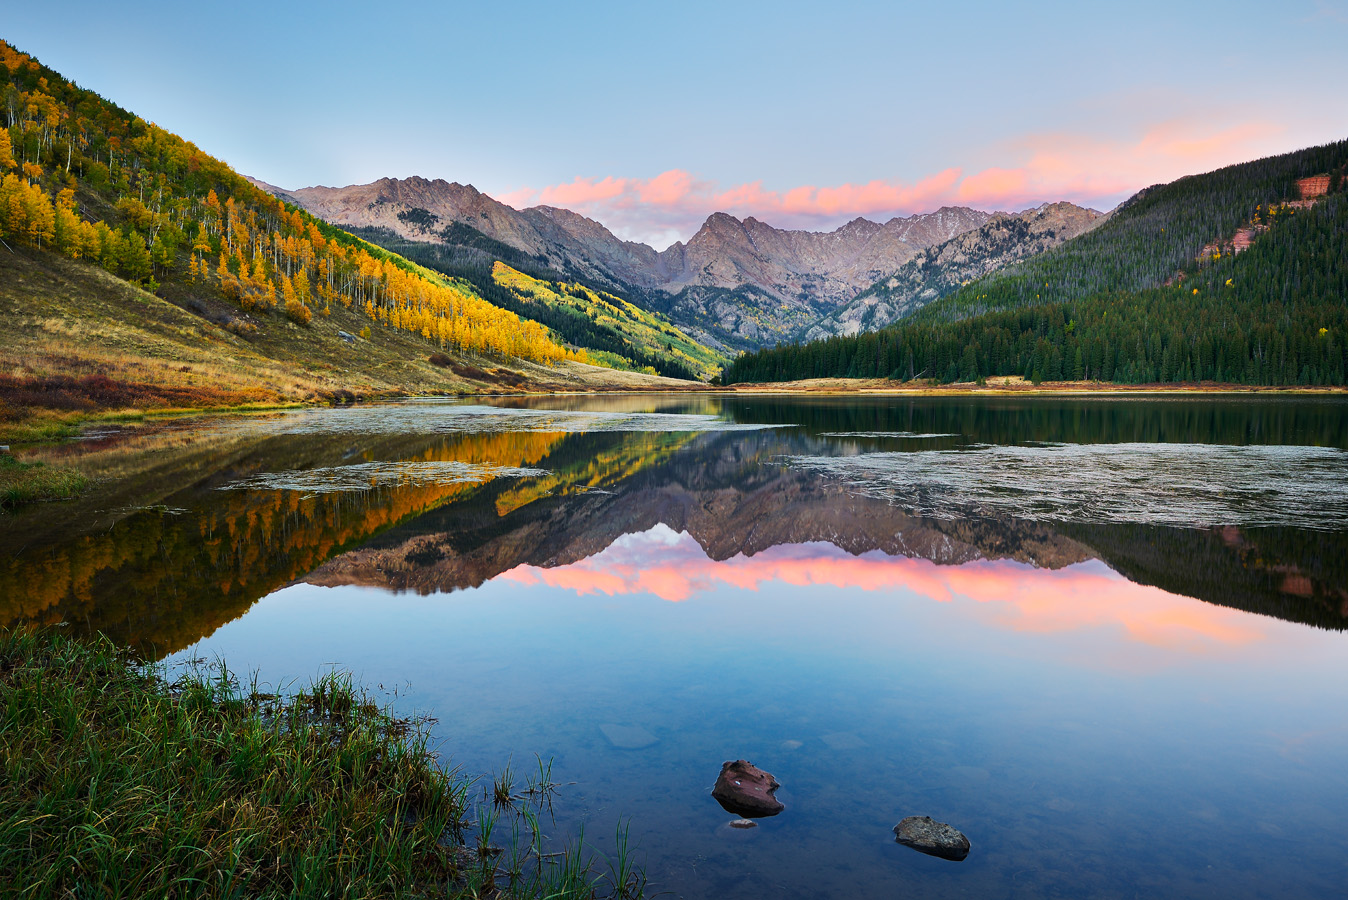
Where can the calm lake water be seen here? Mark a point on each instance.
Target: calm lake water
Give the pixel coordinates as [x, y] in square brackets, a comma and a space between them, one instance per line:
[1104, 638]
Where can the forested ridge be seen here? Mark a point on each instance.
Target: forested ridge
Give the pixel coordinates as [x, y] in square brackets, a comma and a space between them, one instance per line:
[81, 177]
[1130, 302]
[612, 329]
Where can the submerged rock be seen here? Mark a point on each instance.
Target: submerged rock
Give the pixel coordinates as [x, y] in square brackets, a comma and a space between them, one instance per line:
[628, 737]
[746, 790]
[925, 834]
[843, 740]
[738, 834]
[743, 823]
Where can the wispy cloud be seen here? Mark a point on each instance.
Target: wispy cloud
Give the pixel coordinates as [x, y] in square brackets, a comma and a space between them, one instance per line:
[1088, 170]
[1326, 11]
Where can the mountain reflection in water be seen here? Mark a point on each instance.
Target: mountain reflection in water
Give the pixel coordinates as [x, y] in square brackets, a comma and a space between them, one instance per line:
[160, 556]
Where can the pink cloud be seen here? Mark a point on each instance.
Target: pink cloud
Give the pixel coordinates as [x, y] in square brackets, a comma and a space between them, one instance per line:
[1088, 170]
[583, 192]
[666, 189]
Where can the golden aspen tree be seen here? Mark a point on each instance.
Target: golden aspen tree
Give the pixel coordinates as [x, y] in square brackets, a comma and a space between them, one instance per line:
[301, 282]
[41, 216]
[202, 244]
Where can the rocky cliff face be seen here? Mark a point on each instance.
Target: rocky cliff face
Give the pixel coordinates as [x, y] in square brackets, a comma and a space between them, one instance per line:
[742, 280]
[420, 209]
[829, 267]
[943, 267]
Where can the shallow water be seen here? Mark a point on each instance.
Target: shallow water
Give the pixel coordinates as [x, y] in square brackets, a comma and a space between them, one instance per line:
[1103, 638]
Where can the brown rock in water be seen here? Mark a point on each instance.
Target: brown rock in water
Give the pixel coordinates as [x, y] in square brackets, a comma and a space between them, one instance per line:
[925, 834]
[746, 790]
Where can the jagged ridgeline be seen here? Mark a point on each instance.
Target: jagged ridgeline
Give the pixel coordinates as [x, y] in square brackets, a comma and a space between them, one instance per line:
[1156, 294]
[614, 331]
[84, 178]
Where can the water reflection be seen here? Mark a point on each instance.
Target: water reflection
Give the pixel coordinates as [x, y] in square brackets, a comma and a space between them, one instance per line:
[160, 557]
[1019, 596]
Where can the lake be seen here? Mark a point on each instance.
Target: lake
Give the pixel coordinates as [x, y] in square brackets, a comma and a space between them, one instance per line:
[1102, 637]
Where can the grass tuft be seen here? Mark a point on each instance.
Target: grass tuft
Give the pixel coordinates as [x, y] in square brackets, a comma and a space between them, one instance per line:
[25, 482]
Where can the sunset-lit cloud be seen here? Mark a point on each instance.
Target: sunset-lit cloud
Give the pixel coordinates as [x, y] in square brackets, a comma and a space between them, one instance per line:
[1091, 171]
[1010, 595]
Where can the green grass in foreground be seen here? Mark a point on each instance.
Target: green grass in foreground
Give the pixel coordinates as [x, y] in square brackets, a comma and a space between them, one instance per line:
[24, 482]
[118, 783]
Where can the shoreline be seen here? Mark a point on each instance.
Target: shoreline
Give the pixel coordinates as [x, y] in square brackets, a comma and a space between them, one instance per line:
[40, 425]
[120, 772]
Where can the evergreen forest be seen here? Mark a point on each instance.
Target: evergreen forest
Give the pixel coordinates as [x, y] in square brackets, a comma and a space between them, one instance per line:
[1156, 295]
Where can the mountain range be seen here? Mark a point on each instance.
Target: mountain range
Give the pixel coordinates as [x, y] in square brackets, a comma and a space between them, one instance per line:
[943, 268]
[736, 283]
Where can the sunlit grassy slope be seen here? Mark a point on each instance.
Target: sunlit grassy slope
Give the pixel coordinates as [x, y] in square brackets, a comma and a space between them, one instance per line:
[620, 332]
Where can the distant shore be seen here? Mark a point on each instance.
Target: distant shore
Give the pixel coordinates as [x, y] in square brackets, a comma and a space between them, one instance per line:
[37, 423]
[1014, 386]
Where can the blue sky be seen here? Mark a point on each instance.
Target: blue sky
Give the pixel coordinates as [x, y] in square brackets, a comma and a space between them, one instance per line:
[650, 116]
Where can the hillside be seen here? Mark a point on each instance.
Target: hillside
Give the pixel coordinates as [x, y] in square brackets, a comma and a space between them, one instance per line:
[132, 254]
[737, 283]
[944, 268]
[1150, 237]
[613, 330]
[1158, 293]
[81, 340]
[622, 334]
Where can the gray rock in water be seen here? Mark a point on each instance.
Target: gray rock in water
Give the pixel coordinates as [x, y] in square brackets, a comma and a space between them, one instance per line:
[925, 834]
[746, 790]
[743, 823]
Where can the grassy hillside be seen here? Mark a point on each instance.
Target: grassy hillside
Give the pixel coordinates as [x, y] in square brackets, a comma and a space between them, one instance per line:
[130, 252]
[611, 329]
[1131, 302]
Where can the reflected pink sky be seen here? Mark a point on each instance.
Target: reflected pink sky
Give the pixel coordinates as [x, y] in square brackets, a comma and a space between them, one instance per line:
[1008, 595]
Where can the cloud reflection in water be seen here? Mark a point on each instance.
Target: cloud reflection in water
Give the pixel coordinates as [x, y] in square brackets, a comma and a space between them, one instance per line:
[1010, 595]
